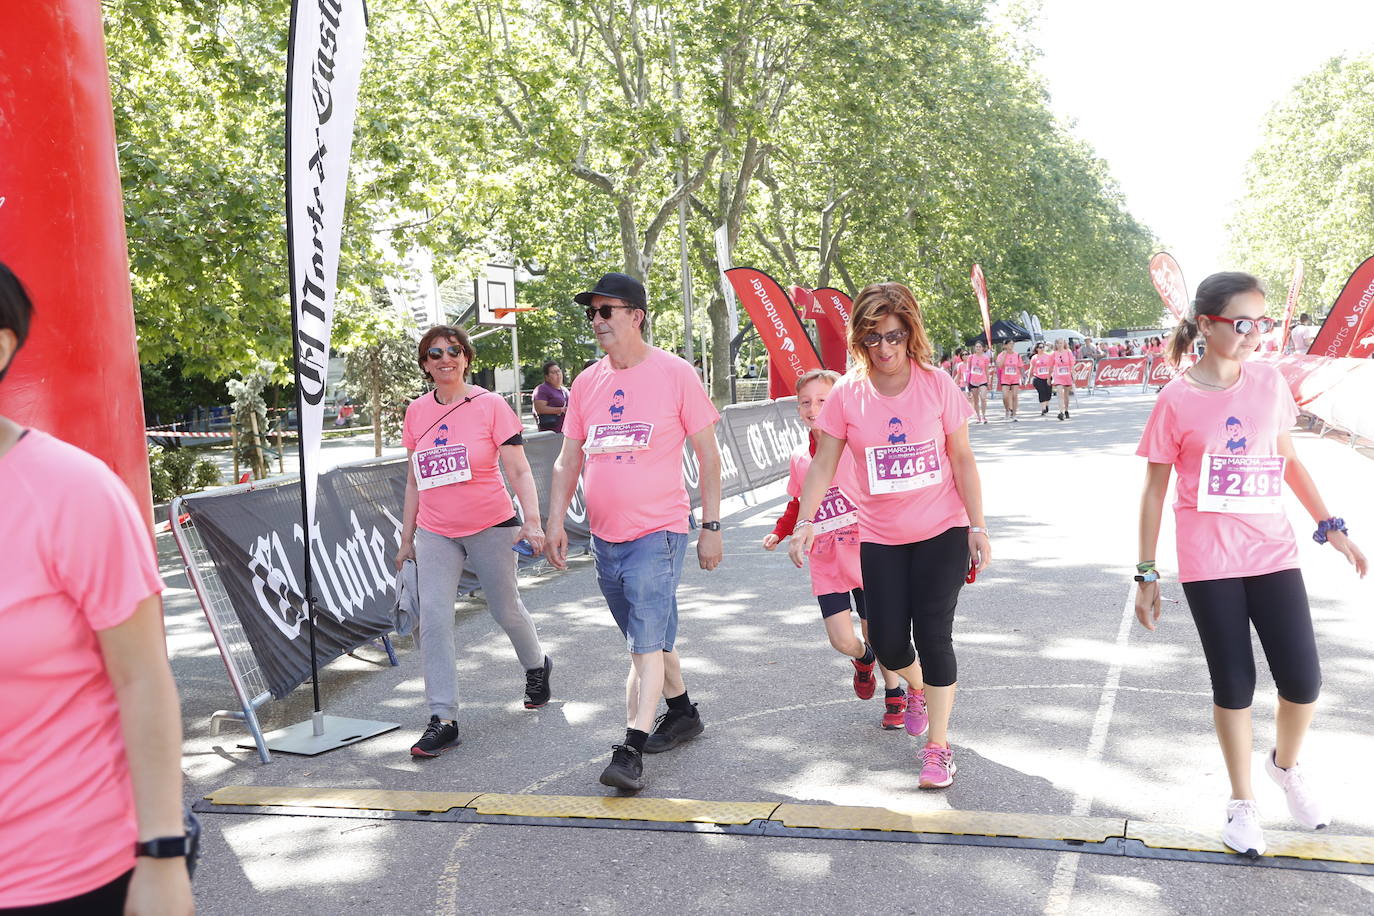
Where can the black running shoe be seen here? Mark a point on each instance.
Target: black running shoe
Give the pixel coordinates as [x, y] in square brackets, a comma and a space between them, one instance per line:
[537, 690]
[626, 769]
[672, 728]
[438, 736]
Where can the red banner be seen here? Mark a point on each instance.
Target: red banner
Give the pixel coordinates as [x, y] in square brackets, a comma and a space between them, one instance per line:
[980, 288]
[1167, 277]
[1349, 326]
[1082, 373]
[1161, 372]
[1121, 370]
[834, 308]
[790, 352]
[1294, 288]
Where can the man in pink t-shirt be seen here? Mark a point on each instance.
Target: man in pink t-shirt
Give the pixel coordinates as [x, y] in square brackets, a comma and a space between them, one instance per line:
[624, 431]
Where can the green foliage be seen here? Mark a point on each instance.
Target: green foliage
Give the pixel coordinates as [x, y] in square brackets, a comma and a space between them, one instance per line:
[179, 471]
[1310, 185]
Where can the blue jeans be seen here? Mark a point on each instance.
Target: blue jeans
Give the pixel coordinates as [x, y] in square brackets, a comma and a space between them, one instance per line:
[639, 580]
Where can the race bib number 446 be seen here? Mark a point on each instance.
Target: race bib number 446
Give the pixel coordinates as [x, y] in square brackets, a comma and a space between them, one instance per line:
[441, 465]
[1251, 484]
[898, 468]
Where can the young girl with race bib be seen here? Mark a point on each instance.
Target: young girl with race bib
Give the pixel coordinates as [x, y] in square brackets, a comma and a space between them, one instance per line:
[1223, 426]
[1061, 374]
[835, 571]
[1009, 366]
[905, 425]
[961, 370]
[979, 371]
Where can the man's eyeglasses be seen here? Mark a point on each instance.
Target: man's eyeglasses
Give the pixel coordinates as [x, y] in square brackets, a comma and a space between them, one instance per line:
[892, 337]
[1243, 326]
[452, 350]
[604, 311]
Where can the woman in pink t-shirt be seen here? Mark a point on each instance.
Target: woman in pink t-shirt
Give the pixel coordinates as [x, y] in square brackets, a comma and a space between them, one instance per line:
[1040, 367]
[961, 370]
[1223, 425]
[906, 427]
[835, 574]
[90, 731]
[1061, 374]
[979, 376]
[1009, 366]
[458, 513]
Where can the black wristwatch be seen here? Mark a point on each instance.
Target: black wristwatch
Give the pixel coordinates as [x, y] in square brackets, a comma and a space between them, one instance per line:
[164, 847]
[710, 526]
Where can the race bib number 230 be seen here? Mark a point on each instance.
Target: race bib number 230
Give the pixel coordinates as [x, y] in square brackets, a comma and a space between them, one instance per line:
[898, 468]
[441, 465]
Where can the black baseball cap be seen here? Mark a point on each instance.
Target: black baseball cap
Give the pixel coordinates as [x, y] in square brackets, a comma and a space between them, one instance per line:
[617, 286]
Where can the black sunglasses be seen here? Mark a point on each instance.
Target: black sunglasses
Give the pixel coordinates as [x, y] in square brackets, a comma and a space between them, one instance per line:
[452, 350]
[892, 337]
[605, 311]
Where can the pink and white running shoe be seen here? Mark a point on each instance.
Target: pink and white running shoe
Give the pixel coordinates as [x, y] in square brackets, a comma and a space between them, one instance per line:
[937, 767]
[916, 719]
[1306, 810]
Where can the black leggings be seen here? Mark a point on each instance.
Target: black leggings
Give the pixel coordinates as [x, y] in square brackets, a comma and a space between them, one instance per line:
[106, 899]
[911, 591]
[1042, 389]
[1276, 604]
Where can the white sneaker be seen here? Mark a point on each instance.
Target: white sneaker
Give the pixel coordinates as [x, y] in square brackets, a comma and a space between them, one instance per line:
[1242, 831]
[1306, 810]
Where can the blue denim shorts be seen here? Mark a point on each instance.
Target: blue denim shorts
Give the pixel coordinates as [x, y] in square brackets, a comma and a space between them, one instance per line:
[639, 579]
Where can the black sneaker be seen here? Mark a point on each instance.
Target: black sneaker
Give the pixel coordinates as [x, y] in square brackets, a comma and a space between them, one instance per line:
[672, 728]
[626, 769]
[537, 690]
[438, 736]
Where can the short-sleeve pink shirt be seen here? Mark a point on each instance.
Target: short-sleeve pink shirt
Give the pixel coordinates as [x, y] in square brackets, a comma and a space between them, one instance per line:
[1246, 419]
[659, 402]
[466, 507]
[1040, 365]
[76, 557]
[978, 365]
[926, 411]
[834, 554]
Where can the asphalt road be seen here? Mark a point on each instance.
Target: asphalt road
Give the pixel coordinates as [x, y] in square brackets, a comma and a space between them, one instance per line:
[1065, 706]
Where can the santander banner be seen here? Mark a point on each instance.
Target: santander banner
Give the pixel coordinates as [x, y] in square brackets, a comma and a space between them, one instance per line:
[1121, 370]
[1349, 327]
[1082, 373]
[980, 288]
[834, 307]
[1167, 277]
[789, 349]
[1294, 288]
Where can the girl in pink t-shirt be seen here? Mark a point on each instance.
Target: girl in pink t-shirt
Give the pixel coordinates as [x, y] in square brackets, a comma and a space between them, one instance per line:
[1040, 366]
[1009, 366]
[961, 369]
[979, 375]
[458, 513]
[1223, 425]
[90, 730]
[905, 425]
[1061, 374]
[835, 571]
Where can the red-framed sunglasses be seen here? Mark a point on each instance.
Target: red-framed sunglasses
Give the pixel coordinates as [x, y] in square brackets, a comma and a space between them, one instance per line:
[1243, 326]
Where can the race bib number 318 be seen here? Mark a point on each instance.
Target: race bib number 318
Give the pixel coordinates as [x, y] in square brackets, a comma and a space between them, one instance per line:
[898, 468]
[1248, 484]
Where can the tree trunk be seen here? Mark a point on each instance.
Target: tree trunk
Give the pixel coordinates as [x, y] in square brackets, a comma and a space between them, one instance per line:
[721, 366]
[375, 373]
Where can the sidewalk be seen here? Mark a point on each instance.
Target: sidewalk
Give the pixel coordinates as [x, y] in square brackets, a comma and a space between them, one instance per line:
[1065, 707]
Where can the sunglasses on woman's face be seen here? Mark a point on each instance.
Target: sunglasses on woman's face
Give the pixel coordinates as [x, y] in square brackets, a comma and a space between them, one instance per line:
[452, 350]
[892, 337]
[1243, 326]
[604, 311]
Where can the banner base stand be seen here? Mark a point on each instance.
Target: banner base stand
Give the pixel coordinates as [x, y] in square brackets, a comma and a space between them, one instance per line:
[323, 733]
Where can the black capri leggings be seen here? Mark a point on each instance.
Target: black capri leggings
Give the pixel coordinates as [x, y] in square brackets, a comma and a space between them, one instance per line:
[1042, 389]
[1276, 604]
[911, 591]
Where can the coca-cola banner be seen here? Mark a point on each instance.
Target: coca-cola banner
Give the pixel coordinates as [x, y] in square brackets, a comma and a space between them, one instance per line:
[1294, 289]
[1082, 373]
[1162, 371]
[980, 289]
[1349, 326]
[1121, 370]
[789, 349]
[1167, 277]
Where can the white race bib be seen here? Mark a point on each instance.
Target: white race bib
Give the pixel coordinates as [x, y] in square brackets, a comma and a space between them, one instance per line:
[898, 468]
[611, 438]
[836, 511]
[441, 465]
[1249, 484]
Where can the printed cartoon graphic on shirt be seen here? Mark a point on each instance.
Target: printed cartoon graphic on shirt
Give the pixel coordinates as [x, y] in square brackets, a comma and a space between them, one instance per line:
[895, 431]
[618, 406]
[1235, 436]
[441, 435]
[620, 438]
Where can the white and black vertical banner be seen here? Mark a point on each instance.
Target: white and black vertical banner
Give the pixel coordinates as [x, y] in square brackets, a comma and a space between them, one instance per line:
[324, 66]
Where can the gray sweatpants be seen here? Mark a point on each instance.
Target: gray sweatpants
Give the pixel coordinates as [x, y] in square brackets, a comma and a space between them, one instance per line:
[439, 563]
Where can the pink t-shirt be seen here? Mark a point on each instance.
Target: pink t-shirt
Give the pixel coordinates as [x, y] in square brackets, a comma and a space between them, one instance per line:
[1238, 430]
[899, 450]
[76, 557]
[835, 553]
[1061, 367]
[961, 373]
[1009, 367]
[473, 430]
[1040, 365]
[632, 424]
[978, 369]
